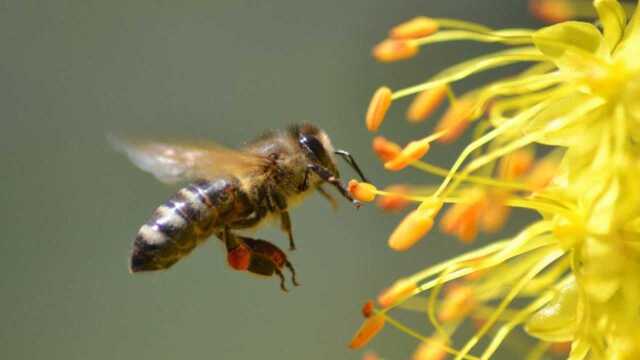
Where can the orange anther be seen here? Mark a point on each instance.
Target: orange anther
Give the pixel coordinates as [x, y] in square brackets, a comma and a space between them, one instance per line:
[378, 108]
[515, 164]
[399, 290]
[411, 229]
[385, 149]
[432, 349]
[394, 49]
[496, 212]
[542, 173]
[395, 201]
[463, 219]
[456, 119]
[552, 11]
[560, 348]
[414, 150]
[458, 302]
[362, 191]
[369, 329]
[370, 356]
[417, 27]
[426, 103]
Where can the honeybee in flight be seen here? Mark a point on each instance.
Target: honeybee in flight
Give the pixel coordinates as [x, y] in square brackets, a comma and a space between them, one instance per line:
[230, 190]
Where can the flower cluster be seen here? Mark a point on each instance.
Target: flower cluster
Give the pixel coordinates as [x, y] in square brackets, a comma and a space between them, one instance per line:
[571, 280]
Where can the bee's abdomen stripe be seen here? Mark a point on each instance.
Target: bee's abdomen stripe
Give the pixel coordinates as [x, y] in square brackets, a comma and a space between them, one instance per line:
[220, 193]
[184, 221]
[151, 237]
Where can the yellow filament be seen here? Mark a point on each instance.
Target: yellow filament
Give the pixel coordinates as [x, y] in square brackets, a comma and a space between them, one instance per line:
[507, 37]
[538, 351]
[482, 63]
[407, 330]
[505, 329]
[520, 118]
[546, 261]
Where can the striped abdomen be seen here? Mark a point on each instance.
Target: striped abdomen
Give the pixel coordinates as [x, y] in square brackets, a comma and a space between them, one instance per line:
[183, 222]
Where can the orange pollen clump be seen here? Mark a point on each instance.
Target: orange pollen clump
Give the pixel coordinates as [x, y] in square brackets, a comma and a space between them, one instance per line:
[239, 258]
[385, 149]
[411, 229]
[396, 200]
[426, 103]
[369, 329]
[456, 120]
[378, 108]
[417, 27]
[551, 11]
[399, 290]
[414, 150]
[458, 302]
[362, 191]
[394, 49]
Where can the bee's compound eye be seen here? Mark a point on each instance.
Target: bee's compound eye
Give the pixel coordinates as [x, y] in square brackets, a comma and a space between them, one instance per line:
[312, 143]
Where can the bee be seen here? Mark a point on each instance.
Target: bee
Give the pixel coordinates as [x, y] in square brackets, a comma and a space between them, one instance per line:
[230, 190]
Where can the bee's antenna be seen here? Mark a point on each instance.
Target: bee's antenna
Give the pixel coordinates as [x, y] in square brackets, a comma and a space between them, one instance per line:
[349, 159]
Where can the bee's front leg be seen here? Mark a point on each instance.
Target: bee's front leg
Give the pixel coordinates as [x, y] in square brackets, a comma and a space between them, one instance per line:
[327, 176]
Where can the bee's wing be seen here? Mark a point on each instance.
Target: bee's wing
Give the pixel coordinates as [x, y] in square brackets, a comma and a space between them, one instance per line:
[172, 161]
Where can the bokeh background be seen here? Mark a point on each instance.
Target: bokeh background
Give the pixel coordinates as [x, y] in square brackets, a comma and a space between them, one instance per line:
[72, 71]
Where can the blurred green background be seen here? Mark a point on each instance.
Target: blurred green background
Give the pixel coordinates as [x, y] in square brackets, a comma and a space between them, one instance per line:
[72, 71]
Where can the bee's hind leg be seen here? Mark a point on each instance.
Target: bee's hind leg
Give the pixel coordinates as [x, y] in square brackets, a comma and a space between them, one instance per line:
[267, 259]
[293, 273]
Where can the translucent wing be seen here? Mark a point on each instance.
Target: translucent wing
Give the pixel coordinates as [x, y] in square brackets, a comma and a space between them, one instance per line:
[172, 162]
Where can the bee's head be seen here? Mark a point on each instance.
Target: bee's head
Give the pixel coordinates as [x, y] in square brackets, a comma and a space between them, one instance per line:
[316, 146]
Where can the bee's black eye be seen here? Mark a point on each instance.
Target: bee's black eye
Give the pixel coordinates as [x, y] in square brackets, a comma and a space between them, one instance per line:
[312, 145]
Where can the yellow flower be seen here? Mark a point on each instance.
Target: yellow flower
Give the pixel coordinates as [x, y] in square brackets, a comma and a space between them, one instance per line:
[577, 269]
